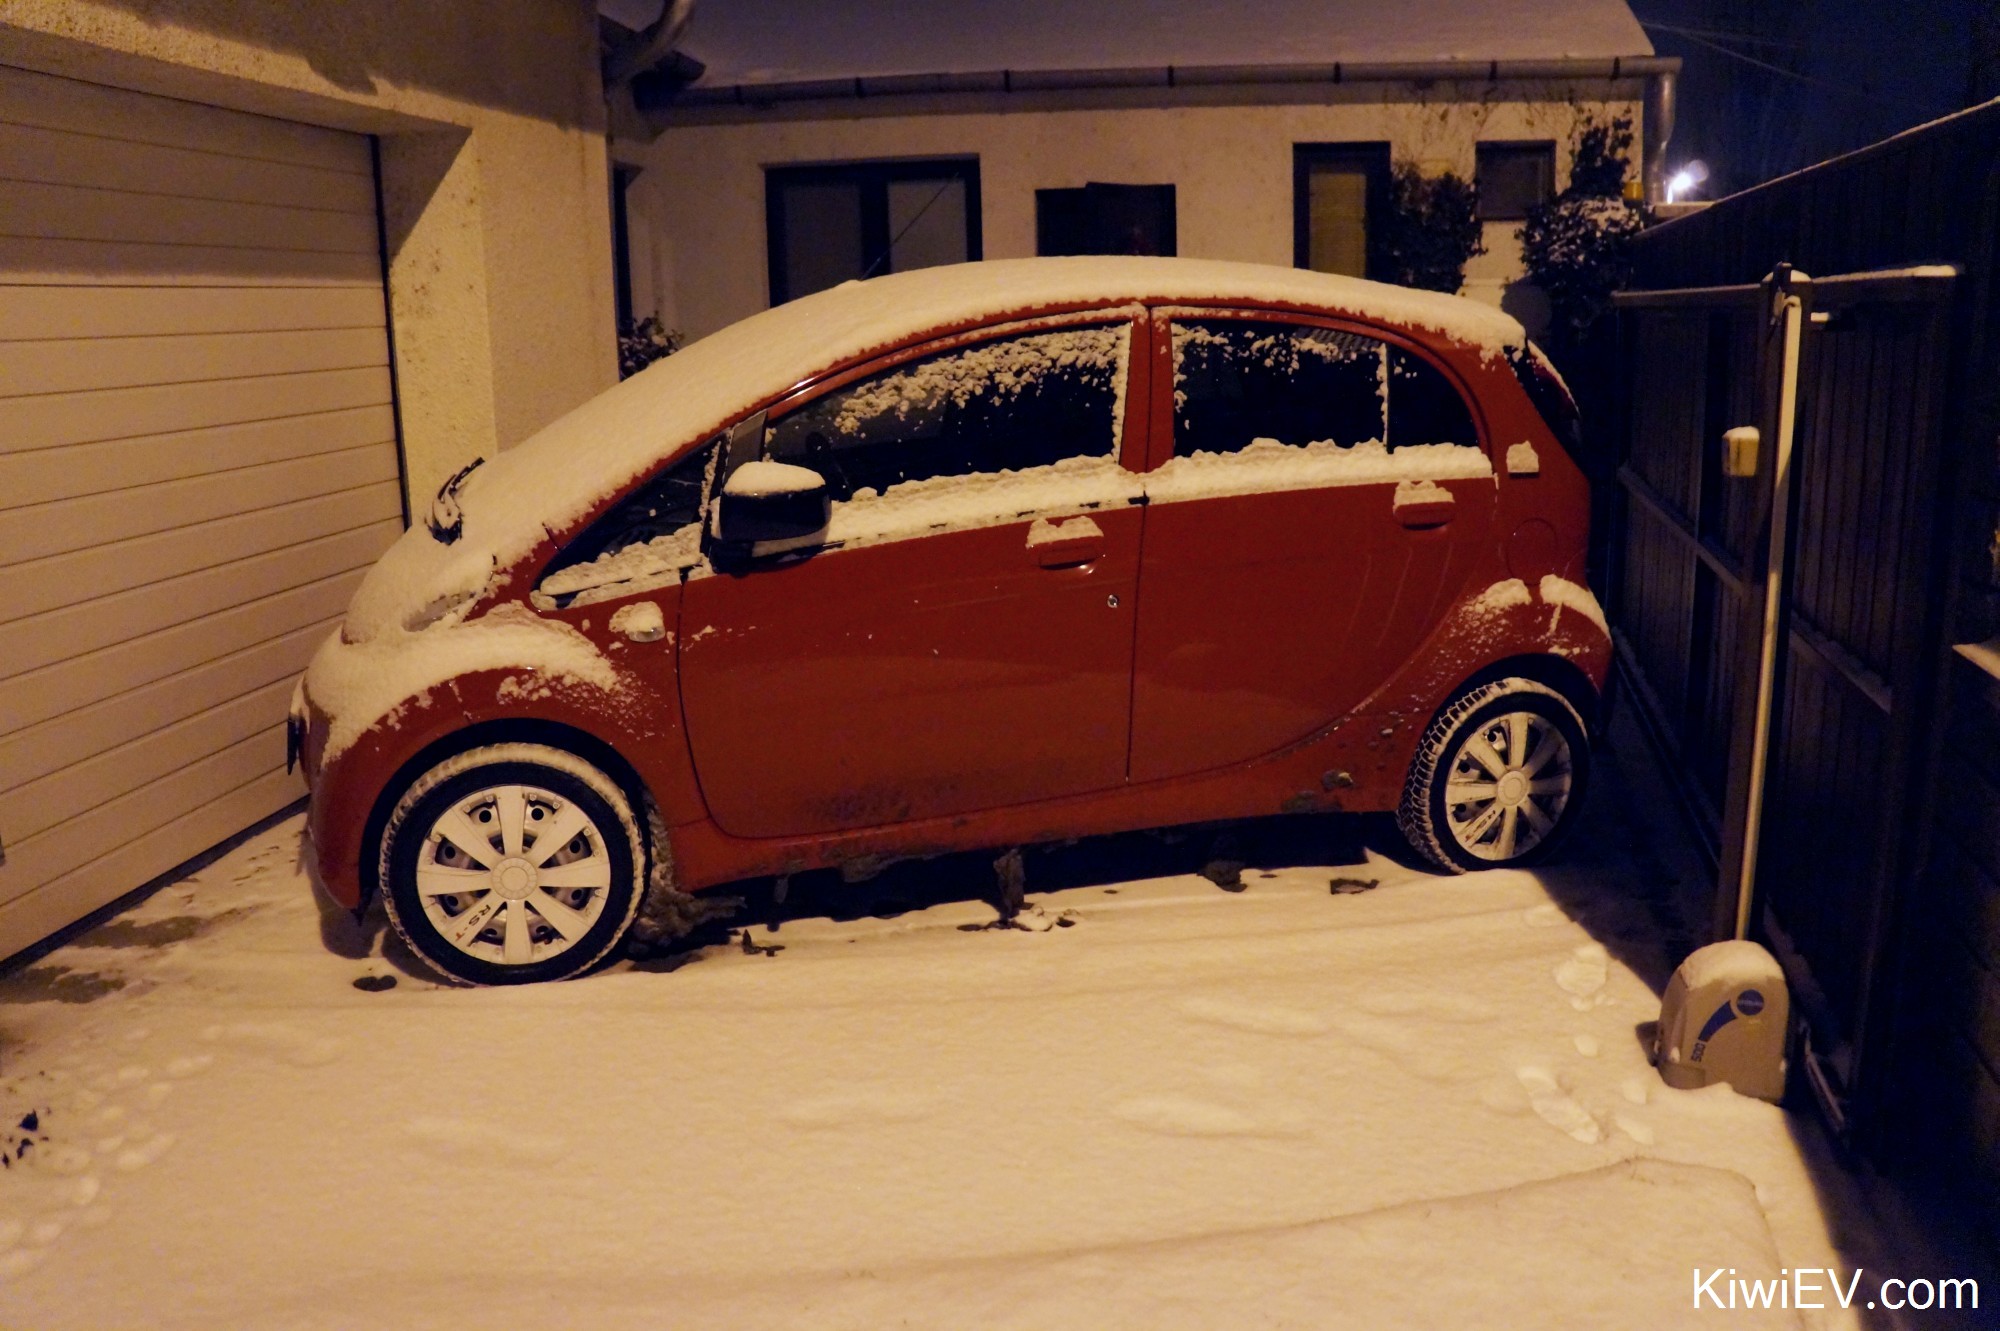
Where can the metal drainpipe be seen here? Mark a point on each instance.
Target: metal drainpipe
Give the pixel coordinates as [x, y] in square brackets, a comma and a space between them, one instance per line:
[1657, 132]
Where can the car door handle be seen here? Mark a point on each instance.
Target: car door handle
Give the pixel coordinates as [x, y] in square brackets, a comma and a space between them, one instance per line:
[1420, 505]
[1065, 544]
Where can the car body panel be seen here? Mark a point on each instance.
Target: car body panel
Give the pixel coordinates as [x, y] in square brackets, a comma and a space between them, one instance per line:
[910, 679]
[820, 748]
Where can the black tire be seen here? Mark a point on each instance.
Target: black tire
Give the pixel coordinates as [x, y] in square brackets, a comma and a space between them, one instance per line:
[1461, 814]
[536, 910]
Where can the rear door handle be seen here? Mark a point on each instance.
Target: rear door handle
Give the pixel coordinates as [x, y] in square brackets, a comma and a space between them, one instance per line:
[1065, 543]
[1423, 504]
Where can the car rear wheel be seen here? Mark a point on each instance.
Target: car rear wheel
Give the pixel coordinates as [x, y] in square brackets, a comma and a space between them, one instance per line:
[1498, 777]
[512, 863]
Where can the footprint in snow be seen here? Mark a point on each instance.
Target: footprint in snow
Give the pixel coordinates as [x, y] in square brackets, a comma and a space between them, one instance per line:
[1553, 1105]
[277, 1041]
[1582, 975]
[1422, 1003]
[1633, 1128]
[1258, 1018]
[1181, 1116]
[469, 1141]
[146, 1151]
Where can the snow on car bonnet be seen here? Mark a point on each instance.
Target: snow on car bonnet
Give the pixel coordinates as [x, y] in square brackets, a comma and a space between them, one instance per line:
[546, 483]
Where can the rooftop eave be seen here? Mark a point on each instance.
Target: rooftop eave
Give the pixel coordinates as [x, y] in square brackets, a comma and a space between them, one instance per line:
[798, 97]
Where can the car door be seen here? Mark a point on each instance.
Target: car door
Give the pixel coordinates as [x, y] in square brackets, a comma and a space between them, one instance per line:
[963, 639]
[1326, 490]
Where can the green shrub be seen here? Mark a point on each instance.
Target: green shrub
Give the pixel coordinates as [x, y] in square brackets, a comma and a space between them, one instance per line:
[1578, 247]
[642, 343]
[1430, 231]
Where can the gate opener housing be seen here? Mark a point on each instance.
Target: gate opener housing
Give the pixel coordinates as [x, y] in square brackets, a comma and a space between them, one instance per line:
[1724, 1020]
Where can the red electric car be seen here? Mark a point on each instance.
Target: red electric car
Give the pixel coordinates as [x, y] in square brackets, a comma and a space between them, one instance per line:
[975, 556]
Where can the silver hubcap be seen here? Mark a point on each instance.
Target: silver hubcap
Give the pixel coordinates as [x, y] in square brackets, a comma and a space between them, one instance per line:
[1507, 785]
[513, 875]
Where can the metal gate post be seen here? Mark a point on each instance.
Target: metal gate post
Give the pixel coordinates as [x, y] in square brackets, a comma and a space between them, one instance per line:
[1787, 300]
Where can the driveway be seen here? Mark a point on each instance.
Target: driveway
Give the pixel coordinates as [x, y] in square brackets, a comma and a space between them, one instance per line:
[1349, 1094]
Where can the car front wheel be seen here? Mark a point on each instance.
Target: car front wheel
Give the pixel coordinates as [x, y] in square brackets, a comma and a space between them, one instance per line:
[512, 863]
[1498, 777]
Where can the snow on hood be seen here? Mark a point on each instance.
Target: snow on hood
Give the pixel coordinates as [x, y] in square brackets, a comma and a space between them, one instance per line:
[546, 482]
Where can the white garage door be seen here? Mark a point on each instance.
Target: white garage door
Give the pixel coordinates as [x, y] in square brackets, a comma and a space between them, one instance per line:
[197, 459]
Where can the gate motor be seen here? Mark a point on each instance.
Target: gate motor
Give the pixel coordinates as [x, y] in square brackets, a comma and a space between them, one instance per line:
[1724, 1020]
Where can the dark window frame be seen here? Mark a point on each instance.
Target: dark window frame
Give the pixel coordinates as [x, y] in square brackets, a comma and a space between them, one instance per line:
[1050, 203]
[1394, 339]
[857, 376]
[873, 178]
[1371, 155]
[1490, 211]
[621, 242]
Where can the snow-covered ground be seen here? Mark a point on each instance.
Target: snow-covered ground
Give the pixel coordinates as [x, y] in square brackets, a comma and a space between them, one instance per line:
[1417, 1103]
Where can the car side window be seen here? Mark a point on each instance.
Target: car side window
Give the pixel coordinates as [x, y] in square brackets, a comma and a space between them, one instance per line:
[1238, 381]
[651, 534]
[1035, 400]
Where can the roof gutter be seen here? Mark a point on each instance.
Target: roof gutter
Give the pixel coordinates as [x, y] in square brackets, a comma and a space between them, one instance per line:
[1174, 76]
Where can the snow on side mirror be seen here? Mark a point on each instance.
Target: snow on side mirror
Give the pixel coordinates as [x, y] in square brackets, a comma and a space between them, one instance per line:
[768, 508]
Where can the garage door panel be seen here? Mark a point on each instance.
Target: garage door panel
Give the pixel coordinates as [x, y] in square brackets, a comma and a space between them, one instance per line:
[88, 108]
[118, 311]
[68, 365]
[55, 419]
[36, 211]
[55, 691]
[30, 913]
[70, 262]
[198, 461]
[50, 474]
[82, 734]
[75, 630]
[84, 575]
[130, 817]
[57, 157]
[80, 787]
[118, 515]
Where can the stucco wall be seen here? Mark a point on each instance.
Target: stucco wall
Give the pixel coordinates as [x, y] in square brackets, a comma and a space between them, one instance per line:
[702, 188]
[491, 120]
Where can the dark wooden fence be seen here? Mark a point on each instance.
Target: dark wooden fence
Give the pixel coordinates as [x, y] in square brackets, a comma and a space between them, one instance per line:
[1878, 863]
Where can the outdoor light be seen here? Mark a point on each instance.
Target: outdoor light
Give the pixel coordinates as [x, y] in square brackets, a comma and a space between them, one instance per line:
[1685, 179]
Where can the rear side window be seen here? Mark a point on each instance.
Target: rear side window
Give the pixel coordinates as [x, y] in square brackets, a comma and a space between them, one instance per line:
[1550, 395]
[1007, 405]
[1239, 381]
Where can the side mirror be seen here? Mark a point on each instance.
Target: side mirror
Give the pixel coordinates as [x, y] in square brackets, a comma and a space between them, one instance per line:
[768, 508]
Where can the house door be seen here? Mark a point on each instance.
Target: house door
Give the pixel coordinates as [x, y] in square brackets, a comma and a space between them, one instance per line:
[964, 639]
[1279, 584]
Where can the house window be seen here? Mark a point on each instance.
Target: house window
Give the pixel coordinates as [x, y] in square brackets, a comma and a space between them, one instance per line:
[1336, 189]
[1514, 178]
[1106, 219]
[830, 224]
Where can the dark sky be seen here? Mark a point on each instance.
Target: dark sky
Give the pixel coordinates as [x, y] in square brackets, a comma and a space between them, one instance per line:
[1856, 71]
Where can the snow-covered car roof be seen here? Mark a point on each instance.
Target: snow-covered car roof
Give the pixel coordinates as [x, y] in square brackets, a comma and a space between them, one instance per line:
[554, 477]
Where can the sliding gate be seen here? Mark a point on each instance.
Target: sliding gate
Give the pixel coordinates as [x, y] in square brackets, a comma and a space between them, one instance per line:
[1775, 581]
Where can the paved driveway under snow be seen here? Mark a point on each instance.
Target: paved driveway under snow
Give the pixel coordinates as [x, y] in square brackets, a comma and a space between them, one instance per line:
[1419, 1104]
